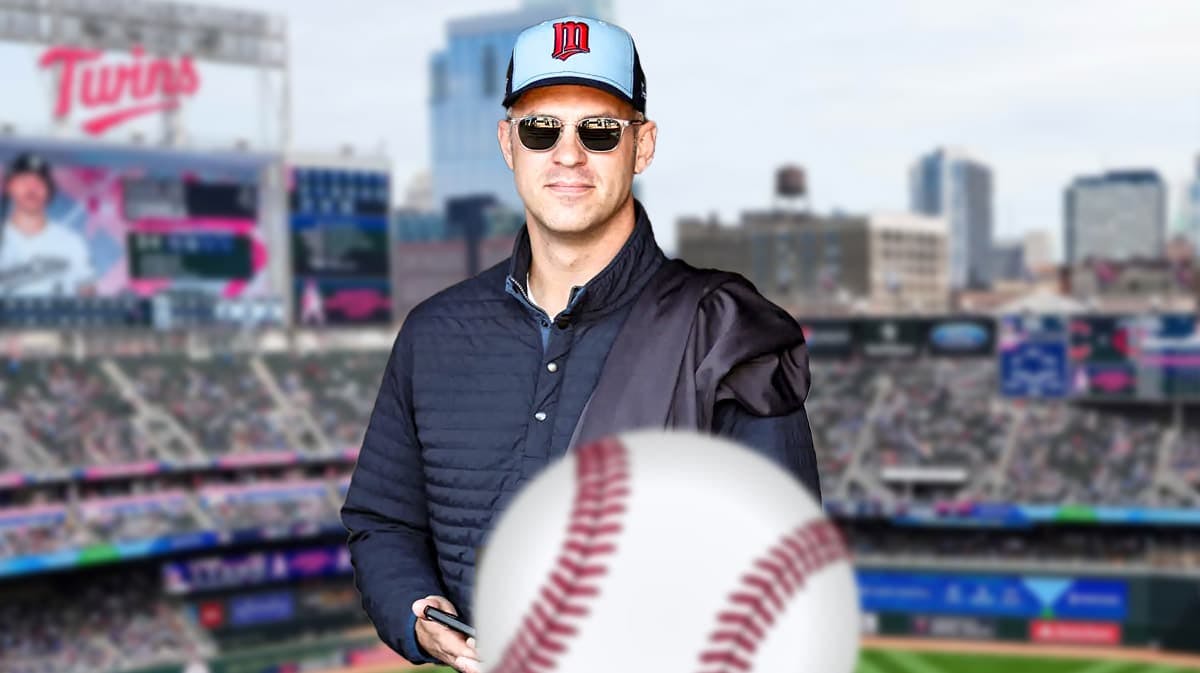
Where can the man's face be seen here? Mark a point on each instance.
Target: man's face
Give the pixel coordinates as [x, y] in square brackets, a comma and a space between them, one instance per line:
[28, 193]
[569, 189]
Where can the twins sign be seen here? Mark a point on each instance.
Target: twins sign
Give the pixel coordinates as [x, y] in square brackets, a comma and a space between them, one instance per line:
[109, 93]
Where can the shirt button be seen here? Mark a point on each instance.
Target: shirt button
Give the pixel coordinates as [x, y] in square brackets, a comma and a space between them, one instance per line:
[541, 415]
[552, 367]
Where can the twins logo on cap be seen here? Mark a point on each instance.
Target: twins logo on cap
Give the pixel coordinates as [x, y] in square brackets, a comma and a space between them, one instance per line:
[576, 50]
[570, 38]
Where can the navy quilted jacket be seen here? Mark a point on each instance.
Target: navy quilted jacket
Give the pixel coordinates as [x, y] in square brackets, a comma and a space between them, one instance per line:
[482, 390]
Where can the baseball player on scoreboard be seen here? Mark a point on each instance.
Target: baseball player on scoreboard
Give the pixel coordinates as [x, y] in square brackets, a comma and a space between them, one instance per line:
[38, 256]
[570, 338]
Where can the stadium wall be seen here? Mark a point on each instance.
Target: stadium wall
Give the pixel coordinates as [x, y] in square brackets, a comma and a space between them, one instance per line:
[1159, 612]
[323, 655]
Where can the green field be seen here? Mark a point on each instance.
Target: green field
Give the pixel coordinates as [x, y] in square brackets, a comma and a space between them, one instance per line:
[899, 661]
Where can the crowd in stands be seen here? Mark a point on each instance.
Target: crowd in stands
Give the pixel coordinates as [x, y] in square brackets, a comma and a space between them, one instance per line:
[277, 508]
[943, 413]
[837, 407]
[60, 413]
[92, 624]
[1118, 546]
[73, 411]
[128, 519]
[37, 530]
[1185, 453]
[1067, 454]
[273, 502]
[338, 389]
[930, 412]
[221, 402]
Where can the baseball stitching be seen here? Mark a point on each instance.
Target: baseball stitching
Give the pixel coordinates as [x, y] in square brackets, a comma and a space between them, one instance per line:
[602, 489]
[764, 592]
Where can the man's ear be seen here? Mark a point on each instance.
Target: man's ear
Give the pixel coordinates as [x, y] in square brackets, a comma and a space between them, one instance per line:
[504, 137]
[647, 136]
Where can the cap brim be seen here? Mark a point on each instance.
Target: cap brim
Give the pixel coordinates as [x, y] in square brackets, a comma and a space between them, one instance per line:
[582, 81]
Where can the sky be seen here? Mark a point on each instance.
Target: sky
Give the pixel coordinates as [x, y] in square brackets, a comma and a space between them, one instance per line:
[854, 91]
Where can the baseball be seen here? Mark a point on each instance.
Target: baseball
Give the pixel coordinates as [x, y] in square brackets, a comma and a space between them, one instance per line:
[673, 550]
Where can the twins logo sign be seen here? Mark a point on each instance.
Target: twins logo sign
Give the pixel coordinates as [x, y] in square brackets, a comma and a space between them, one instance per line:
[114, 93]
[570, 38]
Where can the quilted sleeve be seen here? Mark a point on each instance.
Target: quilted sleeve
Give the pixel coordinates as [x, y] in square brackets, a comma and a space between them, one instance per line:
[385, 512]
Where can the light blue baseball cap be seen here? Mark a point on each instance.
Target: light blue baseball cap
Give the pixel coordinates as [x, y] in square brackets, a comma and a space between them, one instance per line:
[576, 50]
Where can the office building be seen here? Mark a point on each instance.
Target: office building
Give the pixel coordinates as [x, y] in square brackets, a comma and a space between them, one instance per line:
[949, 183]
[812, 264]
[466, 87]
[1118, 215]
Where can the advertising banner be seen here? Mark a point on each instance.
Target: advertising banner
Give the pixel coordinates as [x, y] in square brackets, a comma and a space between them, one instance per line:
[1074, 633]
[994, 595]
[267, 608]
[834, 338]
[969, 628]
[257, 568]
[962, 336]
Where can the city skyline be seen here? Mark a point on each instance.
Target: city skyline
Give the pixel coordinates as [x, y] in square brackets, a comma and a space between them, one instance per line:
[854, 93]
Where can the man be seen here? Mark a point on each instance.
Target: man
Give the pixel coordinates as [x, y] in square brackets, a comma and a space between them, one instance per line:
[488, 379]
[38, 257]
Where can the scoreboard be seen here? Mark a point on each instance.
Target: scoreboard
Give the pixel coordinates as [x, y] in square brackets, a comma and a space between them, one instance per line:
[1144, 357]
[153, 237]
[339, 231]
[189, 229]
[1033, 357]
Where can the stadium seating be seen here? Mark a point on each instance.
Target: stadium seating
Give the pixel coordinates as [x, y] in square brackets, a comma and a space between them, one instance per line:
[273, 506]
[940, 413]
[40, 529]
[74, 411]
[111, 622]
[1185, 455]
[837, 408]
[127, 519]
[221, 402]
[1066, 454]
[338, 388]
[1166, 547]
[279, 508]
[933, 412]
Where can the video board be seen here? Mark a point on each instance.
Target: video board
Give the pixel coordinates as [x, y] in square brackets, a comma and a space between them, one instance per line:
[104, 234]
[1143, 357]
[1140, 357]
[1033, 357]
[339, 233]
[902, 337]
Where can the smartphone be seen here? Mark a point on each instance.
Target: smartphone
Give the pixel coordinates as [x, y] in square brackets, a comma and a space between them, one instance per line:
[446, 619]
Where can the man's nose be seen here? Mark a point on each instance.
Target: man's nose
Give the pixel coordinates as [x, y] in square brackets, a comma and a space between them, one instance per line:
[568, 151]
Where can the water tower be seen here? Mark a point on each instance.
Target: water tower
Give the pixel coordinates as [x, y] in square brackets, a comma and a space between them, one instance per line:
[791, 189]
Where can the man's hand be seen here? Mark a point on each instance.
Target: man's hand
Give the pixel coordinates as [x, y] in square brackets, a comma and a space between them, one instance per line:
[442, 642]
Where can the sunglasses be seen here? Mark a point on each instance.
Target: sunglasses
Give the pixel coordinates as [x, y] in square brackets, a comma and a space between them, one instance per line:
[539, 133]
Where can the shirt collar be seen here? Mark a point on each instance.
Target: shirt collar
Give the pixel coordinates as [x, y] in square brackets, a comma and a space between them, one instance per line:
[617, 283]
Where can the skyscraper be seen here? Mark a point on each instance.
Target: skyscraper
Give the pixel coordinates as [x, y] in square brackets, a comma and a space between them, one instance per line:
[1189, 219]
[949, 183]
[466, 86]
[1118, 215]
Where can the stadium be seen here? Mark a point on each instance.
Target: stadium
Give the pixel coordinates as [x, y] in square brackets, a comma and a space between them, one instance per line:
[1020, 490]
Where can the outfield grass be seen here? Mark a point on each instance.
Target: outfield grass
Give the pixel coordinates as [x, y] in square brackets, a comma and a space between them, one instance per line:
[899, 661]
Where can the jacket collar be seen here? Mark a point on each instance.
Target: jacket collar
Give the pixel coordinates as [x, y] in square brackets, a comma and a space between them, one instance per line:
[617, 283]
